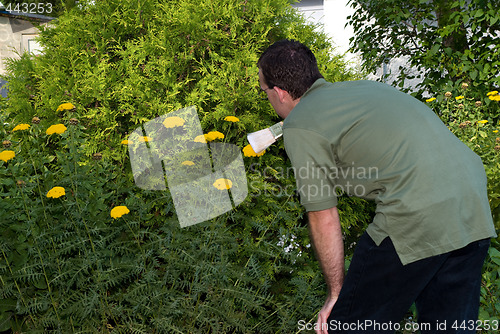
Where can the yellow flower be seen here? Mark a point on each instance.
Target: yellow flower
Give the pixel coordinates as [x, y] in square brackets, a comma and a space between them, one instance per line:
[57, 128]
[223, 184]
[119, 211]
[495, 92]
[494, 98]
[482, 122]
[21, 127]
[459, 97]
[126, 142]
[172, 122]
[200, 139]
[188, 163]
[249, 152]
[7, 155]
[430, 100]
[213, 135]
[495, 131]
[232, 119]
[145, 139]
[65, 106]
[56, 192]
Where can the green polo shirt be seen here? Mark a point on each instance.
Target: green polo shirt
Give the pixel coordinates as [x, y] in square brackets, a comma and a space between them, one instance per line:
[372, 141]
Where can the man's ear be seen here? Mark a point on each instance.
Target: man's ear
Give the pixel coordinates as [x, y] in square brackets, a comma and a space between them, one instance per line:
[282, 94]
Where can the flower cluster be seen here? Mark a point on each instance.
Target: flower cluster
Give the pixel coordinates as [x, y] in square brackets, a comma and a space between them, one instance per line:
[494, 96]
[200, 139]
[56, 192]
[223, 184]
[7, 155]
[119, 211]
[66, 106]
[249, 152]
[172, 122]
[57, 128]
[21, 127]
[231, 119]
[213, 135]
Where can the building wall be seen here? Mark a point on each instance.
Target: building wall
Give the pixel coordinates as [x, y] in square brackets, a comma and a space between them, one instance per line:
[16, 37]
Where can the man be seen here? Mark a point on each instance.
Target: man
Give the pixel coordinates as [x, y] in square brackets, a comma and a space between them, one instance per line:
[433, 224]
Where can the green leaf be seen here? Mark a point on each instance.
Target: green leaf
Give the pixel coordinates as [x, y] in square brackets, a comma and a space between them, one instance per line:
[434, 49]
[5, 320]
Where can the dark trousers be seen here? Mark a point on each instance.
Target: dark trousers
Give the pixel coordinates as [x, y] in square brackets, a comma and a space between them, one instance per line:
[379, 290]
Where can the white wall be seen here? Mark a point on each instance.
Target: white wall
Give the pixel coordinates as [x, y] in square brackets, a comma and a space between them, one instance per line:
[336, 13]
[332, 14]
[16, 36]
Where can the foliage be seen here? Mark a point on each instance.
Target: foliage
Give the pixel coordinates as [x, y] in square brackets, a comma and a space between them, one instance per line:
[468, 118]
[75, 263]
[444, 42]
[147, 58]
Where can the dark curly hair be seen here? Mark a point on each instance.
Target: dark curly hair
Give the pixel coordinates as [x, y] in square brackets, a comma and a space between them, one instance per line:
[289, 65]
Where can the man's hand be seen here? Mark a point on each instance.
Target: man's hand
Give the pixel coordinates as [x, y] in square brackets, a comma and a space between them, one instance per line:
[322, 325]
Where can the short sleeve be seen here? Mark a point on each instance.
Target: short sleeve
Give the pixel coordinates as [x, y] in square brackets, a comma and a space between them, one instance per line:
[313, 165]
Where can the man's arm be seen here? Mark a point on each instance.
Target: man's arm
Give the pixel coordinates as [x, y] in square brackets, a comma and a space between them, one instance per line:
[326, 235]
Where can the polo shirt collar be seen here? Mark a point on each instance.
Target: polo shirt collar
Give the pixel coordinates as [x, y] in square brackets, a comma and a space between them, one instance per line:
[318, 83]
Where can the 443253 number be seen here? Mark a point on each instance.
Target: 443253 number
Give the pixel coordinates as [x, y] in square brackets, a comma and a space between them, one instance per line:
[30, 8]
[476, 325]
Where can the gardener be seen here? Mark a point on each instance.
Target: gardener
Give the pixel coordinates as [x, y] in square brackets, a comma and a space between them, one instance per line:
[432, 226]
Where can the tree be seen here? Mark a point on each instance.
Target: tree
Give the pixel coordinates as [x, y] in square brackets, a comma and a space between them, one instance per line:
[445, 42]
